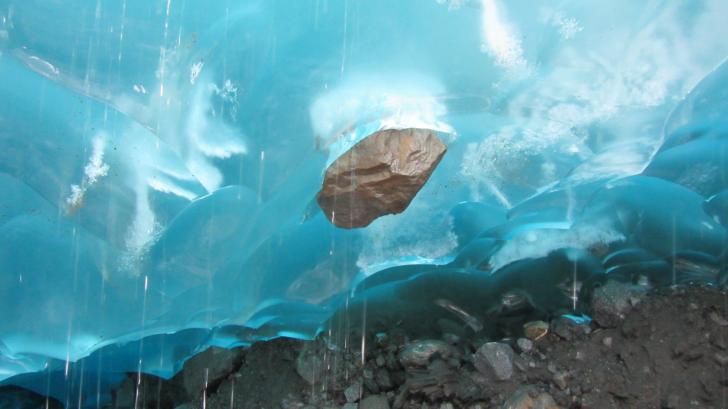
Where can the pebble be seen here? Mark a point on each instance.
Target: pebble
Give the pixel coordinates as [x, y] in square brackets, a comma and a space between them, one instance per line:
[495, 358]
[374, 402]
[535, 330]
[353, 392]
[524, 344]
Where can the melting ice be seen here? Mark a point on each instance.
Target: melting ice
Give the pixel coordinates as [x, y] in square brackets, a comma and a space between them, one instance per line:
[159, 163]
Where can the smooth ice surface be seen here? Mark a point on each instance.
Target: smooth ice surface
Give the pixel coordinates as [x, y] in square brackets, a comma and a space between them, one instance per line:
[159, 162]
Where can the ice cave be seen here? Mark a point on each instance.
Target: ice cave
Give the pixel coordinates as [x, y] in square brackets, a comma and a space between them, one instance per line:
[367, 204]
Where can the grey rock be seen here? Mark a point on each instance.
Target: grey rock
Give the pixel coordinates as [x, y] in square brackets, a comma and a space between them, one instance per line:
[530, 398]
[374, 402]
[419, 353]
[379, 175]
[209, 368]
[524, 344]
[612, 301]
[350, 405]
[353, 392]
[494, 358]
[383, 380]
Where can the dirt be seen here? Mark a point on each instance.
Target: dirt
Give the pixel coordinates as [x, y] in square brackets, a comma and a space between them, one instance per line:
[668, 349]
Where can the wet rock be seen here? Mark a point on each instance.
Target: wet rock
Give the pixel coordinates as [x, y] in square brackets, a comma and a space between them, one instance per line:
[350, 405]
[374, 402]
[381, 376]
[612, 301]
[353, 392]
[420, 353]
[530, 398]
[567, 329]
[535, 330]
[494, 358]
[379, 175]
[205, 370]
[524, 344]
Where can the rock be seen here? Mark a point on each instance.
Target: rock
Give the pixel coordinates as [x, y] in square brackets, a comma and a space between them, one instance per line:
[566, 328]
[524, 344]
[612, 301]
[374, 402]
[447, 405]
[495, 358]
[607, 341]
[379, 175]
[383, 380]
[353, 392]
[350, 405]
[530, 398]
[560, 380]
[535, 330]
[208, 368]
[419, 353]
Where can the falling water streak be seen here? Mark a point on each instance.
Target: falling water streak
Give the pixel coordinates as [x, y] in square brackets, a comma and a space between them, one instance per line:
[141, 342]
[80, 385]
[260, 176]
[232, 392]
[573, 294]
[121, 31]
[570, 204]
[204, 391]
[343, 48]
[363, 333]
[674, 250]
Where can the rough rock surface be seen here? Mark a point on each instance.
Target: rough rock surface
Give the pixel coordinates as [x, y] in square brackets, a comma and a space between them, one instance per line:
[495, 358]
[670, 350]
[207, 369]
[379, 175]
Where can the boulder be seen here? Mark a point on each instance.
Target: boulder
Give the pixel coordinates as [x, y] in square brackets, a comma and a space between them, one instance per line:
[380, 175]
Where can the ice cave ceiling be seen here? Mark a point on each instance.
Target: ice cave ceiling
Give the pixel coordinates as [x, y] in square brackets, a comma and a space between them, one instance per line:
[161, 162]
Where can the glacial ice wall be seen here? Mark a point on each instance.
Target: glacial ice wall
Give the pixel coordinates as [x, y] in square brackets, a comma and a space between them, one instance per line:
[159, 162]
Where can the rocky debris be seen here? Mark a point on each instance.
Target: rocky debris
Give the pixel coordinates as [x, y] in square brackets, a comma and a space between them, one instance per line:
[530, 398]
[380, 175]
[149, 391]
[419, 353]
[612, 301]
[535, 330]
[640, 363]
[494, 358]
[12, 397]
[204, 371]
[374, 402]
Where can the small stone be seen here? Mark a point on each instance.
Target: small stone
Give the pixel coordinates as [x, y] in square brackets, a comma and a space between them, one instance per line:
[383, 380]
[380, 361]
[495, 358]
[529, 398]
[353, 392]
[419, 353]
[612, 301]
[718, 319]
[447, 405]
[524, 344]
[607, 341]
[721, 358]
[560, 379]
[535, 330]
[374, 402]
[450, 338]
[350, 405]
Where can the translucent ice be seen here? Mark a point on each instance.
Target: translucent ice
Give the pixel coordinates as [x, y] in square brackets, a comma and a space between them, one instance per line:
[159, 165]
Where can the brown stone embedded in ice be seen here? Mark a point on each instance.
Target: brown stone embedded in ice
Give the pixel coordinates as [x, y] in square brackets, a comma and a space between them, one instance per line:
[380, 175]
